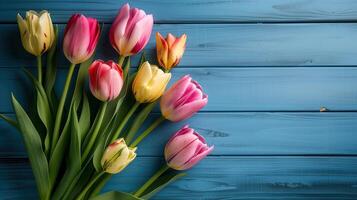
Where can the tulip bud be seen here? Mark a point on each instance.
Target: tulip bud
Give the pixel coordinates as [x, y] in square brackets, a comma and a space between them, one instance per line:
[105, 80]
[182, 100]
[130, 31]
[170, 50]
[37, 33]
[117, 156]
[185, 149]
[150, 82]
[80, 38]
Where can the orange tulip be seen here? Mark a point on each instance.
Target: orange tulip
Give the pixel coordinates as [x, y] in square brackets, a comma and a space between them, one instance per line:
[170, 50]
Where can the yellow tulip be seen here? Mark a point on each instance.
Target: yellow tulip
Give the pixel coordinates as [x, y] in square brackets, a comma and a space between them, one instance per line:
[170, 50]
[37, 32]
[149, 83]
[117, 156]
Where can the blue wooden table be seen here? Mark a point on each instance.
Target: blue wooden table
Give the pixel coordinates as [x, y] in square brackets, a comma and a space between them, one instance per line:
[268, 67]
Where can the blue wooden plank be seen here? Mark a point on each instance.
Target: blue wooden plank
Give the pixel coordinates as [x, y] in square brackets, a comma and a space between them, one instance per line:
[243, 134]
[193, 11]
[221, 178]
[230, 45]
[243, 89]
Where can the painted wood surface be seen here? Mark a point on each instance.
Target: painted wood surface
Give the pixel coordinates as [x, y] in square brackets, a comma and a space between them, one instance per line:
[243, 133]
[245, 178]
[195, 11]
[229, 45]
[267, 66]
[244, 89]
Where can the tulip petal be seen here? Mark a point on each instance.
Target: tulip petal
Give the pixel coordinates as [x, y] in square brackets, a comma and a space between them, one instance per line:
[94, 30]
[182, 138]
[188, 110]
[140, 34]
[135, 15]
[117, 30]
[162, 49]
[193, 161]
[76, 40]
[170, 39]
[185, 154]
[106, 80]
[175, 92]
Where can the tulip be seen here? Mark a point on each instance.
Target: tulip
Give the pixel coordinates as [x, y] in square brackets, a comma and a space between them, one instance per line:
[130, 31]
[80, 38]
[105, 80]
[149, 83]
[37, 32]
[185, 149]
[170, 50]
[117, 156]
[182, 100]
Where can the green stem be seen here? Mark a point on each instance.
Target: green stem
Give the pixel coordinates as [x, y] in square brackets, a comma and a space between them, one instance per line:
[61, 106]
[39, 68]
[124, 121]
[141, 190]
[84, 192]
[93, 136]
[121, 60]
[156, 123]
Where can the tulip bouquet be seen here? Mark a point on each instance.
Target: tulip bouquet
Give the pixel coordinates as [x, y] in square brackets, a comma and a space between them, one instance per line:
[75, 142]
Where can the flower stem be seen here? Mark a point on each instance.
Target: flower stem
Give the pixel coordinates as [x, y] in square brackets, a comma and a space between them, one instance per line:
[39, 68]
[124, 121]
[121, 60]
[93, 136]
[141, 190]
[61, 105]
[85, 190]
[156, 123]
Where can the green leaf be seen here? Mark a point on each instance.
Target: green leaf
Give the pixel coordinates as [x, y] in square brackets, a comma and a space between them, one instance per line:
[98, 152]
[9, 120]
[74, 158]
[43, 108]
[139, 120]
[34, 149]
[116, 195]
[51, 72]
[58, 153]
[75, 144]
[97, 187]
[164, 180]
[51, 67]
[84, 120]
[79, 182]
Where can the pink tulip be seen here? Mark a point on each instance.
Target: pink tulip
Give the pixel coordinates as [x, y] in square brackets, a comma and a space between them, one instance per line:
[80, 38]
[130, 31]
[105, 80]
[182, 100]
[185, 149]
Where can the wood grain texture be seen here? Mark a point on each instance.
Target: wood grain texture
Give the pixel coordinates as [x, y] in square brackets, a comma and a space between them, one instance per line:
[226, 45]
[244, 178]
[267, 66]
[194, 11]
[242, 89]
[243, 134]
